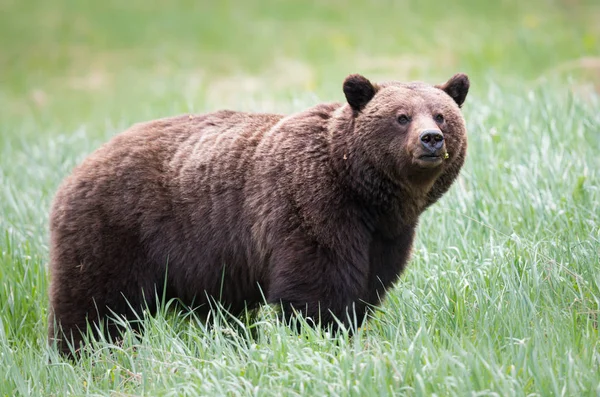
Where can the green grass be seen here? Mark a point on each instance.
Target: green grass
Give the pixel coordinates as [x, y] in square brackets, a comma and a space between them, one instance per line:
[502, 296]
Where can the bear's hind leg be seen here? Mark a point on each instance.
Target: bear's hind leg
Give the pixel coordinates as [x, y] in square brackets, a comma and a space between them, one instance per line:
[92, 286]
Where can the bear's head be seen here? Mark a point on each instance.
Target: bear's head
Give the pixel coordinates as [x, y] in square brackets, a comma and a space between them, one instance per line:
[411, 133]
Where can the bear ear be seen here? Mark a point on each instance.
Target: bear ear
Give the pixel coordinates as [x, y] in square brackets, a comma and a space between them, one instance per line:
[457, 87]
[359, 91]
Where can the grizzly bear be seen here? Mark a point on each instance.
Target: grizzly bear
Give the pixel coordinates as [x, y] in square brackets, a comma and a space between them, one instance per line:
[314, 212]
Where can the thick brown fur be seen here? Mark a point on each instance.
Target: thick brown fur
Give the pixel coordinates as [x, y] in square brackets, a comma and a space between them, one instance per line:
[315, 211]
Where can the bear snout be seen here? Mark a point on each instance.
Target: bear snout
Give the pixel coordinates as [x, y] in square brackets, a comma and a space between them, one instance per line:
[429, 149]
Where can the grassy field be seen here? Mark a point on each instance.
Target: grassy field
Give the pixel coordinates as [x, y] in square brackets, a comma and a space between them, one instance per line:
[502, 296]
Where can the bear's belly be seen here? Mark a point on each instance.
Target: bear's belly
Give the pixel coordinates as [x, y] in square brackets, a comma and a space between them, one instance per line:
[211, 263]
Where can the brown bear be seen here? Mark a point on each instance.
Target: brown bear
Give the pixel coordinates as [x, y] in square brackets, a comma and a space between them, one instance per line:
[315, 211]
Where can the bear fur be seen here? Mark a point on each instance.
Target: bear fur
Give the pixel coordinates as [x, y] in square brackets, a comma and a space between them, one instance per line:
[315, 211]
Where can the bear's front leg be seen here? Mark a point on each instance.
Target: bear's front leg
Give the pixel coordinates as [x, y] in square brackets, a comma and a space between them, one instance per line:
[326, 287]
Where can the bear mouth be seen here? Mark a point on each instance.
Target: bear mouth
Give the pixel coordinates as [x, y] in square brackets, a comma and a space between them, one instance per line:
[429, 160]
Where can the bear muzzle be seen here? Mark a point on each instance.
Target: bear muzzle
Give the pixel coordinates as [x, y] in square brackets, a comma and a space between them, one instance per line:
[432, 151]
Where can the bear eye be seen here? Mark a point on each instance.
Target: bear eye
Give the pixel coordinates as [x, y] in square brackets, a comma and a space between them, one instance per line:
[403, 119]
[439, 118]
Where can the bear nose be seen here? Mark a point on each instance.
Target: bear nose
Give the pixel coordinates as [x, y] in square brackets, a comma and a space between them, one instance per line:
[432, 140]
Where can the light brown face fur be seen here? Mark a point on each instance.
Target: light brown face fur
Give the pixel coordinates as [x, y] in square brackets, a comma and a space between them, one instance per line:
[403, 122]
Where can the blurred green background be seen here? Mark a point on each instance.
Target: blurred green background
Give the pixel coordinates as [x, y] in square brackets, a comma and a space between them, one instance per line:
[84, 61]
[502, 294]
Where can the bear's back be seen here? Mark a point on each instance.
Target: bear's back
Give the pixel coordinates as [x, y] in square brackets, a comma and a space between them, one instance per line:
[177, 185]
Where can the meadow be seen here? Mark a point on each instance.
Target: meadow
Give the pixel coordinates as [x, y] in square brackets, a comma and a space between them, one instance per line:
[502, 295]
